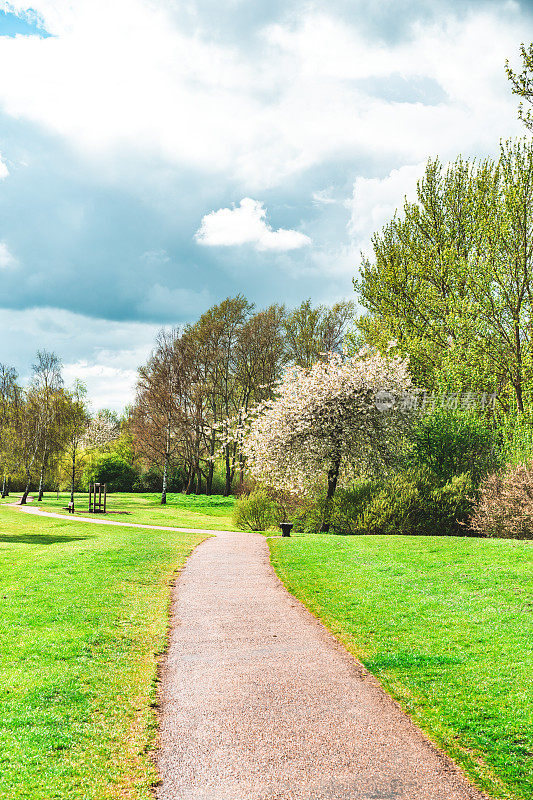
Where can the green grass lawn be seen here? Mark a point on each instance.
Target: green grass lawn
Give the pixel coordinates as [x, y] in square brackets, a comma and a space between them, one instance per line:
[446, 625]
[84, 615]
[182, 511]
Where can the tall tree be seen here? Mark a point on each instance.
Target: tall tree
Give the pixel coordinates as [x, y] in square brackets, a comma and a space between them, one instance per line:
[313, 331]
[324, 420]
[158, 412]
[47, 381]
[451, 279]
[522, 83]
[10, 397]
[75, 422]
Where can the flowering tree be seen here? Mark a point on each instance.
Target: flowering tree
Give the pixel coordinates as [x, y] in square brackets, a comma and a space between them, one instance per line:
[325, 418]
[103, 429]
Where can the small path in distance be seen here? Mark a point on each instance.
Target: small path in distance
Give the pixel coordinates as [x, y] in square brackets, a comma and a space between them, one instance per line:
[73, 518]
[259, 702]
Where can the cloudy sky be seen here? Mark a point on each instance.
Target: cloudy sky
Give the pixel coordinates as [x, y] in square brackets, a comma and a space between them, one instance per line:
[157, 156]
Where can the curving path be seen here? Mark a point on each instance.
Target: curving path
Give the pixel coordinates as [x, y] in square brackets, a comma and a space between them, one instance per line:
[259, 702]
[96, 521]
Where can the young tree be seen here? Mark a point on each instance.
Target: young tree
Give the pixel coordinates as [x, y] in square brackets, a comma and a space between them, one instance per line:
[324, 419]
[75, 422]
[10, 396]
[47, 382]
[28, 434]
[158, 414]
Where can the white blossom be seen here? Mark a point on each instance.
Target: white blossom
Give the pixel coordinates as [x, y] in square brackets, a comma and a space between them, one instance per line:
[324, 419]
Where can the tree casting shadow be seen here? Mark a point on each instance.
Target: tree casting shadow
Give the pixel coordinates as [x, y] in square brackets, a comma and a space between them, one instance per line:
[36, 538]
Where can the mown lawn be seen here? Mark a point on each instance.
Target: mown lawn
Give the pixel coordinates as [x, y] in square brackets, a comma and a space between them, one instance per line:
[182, 511]
[84, 615]
[446, 625]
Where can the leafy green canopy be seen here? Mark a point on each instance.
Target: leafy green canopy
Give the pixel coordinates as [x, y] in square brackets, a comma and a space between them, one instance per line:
[451, 280]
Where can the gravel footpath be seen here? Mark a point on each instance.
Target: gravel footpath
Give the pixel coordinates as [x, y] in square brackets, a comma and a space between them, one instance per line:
[259, 702]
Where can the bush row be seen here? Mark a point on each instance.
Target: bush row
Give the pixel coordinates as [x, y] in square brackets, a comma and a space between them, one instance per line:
[451, 481]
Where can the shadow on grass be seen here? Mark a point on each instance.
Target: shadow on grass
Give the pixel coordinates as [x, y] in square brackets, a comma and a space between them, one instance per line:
[36, 538]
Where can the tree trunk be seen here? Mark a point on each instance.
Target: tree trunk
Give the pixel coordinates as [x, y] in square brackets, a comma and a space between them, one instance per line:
[241, 470]
[165, 480]
[73, 477]
[190, 479]
[333, 477]
[41, 483]
[198, 481]
[4, 487]
[211, 467]
[518, 380]
[24, 497]
[229, 476]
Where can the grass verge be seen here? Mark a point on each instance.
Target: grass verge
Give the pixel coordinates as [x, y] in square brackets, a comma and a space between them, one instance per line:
[84, 616]
[446, 626]
[209, 512]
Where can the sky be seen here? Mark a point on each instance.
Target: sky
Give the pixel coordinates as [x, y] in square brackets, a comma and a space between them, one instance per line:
[157, 156]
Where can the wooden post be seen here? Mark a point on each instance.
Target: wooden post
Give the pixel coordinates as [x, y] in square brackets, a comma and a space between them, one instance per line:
[90, 494]
[105, 496]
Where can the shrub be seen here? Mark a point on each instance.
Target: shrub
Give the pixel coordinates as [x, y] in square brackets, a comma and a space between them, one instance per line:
[446, 510]
[256, 511]
[505, 507]
[408, 503]
[111, 469]
[451, 443]
[395, 508]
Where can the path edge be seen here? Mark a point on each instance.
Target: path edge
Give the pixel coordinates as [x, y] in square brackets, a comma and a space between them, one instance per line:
[161, 661]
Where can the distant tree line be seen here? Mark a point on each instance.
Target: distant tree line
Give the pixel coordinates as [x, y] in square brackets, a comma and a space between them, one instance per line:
[45, 428]
[198, 380]
[202, 376]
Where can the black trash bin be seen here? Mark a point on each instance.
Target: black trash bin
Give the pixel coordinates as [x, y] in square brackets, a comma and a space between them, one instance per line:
[286, 528]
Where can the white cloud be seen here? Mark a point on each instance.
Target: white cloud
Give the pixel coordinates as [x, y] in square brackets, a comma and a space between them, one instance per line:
[194, 101]
[4, 172]
[375, 200]
[103, 353]
[107, 386]
[324, 197]
[246, 224]
[7, 259]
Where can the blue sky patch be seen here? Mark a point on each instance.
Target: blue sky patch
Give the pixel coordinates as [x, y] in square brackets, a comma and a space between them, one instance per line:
[27, 25]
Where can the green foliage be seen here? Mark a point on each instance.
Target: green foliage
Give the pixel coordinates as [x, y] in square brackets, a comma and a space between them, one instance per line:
[516, 432]
[450, 442]
[396, 508]
[451, 277]
[151, 480]
[522, 83]
[256, 511]
[403, 503]
[111, 469]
